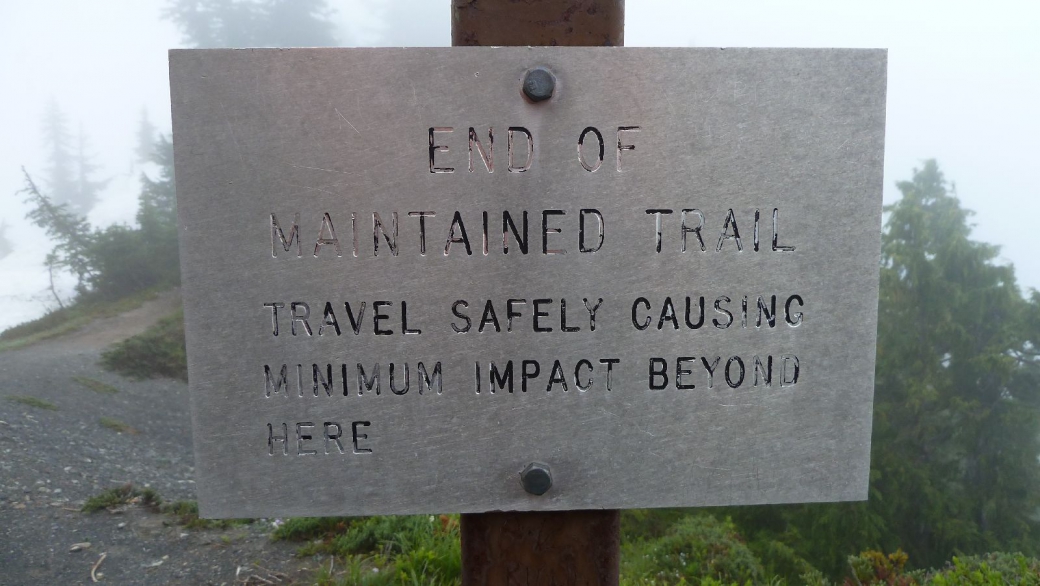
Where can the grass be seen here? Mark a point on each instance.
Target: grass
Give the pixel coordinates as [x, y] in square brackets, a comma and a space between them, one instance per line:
[127, 494]
[186, 514]
[310, 528]
[117, 426]
[156, 352]
[69, 319]
[374, 551]
[96, 385]
[33, 402]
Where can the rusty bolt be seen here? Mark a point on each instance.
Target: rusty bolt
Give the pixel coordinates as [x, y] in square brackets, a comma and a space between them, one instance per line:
[539, 84]
[536, 478]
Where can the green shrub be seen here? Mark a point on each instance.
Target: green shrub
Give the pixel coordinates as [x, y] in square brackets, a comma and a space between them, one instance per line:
[874, 568]
[994, 569]
[696, 548]
[127, 260]
[157, 352]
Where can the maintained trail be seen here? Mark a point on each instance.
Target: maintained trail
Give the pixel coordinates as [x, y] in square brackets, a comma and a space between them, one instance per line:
[53, 459]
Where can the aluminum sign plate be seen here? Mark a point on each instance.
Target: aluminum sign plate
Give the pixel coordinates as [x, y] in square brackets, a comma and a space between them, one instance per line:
[404, 281]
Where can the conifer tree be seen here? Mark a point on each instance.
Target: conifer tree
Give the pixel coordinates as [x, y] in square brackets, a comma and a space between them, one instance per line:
[252, 23]
[145, 149]
[71, 233]
[60, 172]
[956, 436]
[87, 190]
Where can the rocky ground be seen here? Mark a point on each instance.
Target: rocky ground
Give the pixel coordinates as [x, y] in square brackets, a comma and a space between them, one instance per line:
[81, 441]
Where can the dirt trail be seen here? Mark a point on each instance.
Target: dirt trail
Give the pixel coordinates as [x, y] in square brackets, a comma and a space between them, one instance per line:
[108, 330]
[53, 459]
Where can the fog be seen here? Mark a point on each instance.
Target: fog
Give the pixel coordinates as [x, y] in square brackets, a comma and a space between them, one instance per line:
[963, 89]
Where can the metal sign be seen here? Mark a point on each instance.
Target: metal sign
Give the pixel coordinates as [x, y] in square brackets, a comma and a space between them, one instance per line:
[473, 279]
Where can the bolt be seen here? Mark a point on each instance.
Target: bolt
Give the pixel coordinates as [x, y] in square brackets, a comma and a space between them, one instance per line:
[536, 478]
[539, 84]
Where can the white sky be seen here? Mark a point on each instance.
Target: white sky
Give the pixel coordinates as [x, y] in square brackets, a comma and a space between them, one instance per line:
[964, 88]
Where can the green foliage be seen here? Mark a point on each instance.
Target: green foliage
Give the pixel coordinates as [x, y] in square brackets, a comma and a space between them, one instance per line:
[994, 569]
[874, 568]
[186, 514]
[310, 528]
[956, 428]
[70, 232]
[127, 494]
[157, 352]
[96, 385]
[119, 260]
[125, 259]
[33, 402]
[383, 550]
[696, 548]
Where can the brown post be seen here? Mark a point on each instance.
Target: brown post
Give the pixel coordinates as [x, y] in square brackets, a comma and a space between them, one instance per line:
[512, 23]
[568, 548]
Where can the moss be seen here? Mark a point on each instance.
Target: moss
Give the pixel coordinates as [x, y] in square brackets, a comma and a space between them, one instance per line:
[33, 402]
[117, 426]
[96, 385]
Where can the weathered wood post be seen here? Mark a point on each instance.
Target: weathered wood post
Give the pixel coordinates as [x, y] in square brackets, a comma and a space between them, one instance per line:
[560, 548]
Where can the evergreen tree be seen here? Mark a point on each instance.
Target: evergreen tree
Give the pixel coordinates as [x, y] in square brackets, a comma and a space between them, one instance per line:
[70, 231]
[956, 436]
[70, 170]
[86, 189]
[60, 177]
[957, 430]
[157, 214]
[126, 259]
[252, 23]
[145, 149]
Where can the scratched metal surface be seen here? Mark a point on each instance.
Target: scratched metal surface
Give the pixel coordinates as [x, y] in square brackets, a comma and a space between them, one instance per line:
[258, 132]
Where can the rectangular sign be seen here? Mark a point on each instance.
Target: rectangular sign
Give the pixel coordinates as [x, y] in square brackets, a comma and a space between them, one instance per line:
[405, 281]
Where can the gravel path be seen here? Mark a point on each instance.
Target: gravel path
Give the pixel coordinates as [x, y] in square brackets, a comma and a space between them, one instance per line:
[51, 460]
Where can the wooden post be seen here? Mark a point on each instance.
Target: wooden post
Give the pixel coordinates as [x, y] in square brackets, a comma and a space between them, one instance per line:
[540, 548]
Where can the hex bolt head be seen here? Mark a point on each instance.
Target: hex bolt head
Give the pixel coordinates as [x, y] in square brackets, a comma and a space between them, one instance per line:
[539, 84]
[536, 478]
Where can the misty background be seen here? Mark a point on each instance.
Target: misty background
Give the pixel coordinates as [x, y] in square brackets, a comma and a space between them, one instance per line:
[963, 89]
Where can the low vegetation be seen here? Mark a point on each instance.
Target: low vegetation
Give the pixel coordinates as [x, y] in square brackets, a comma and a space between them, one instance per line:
[117, 426]
[155, 353]
[96, 385]
[33, 402]
[186, 514]
[697, 548]
[376, 551]
[127, 494]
